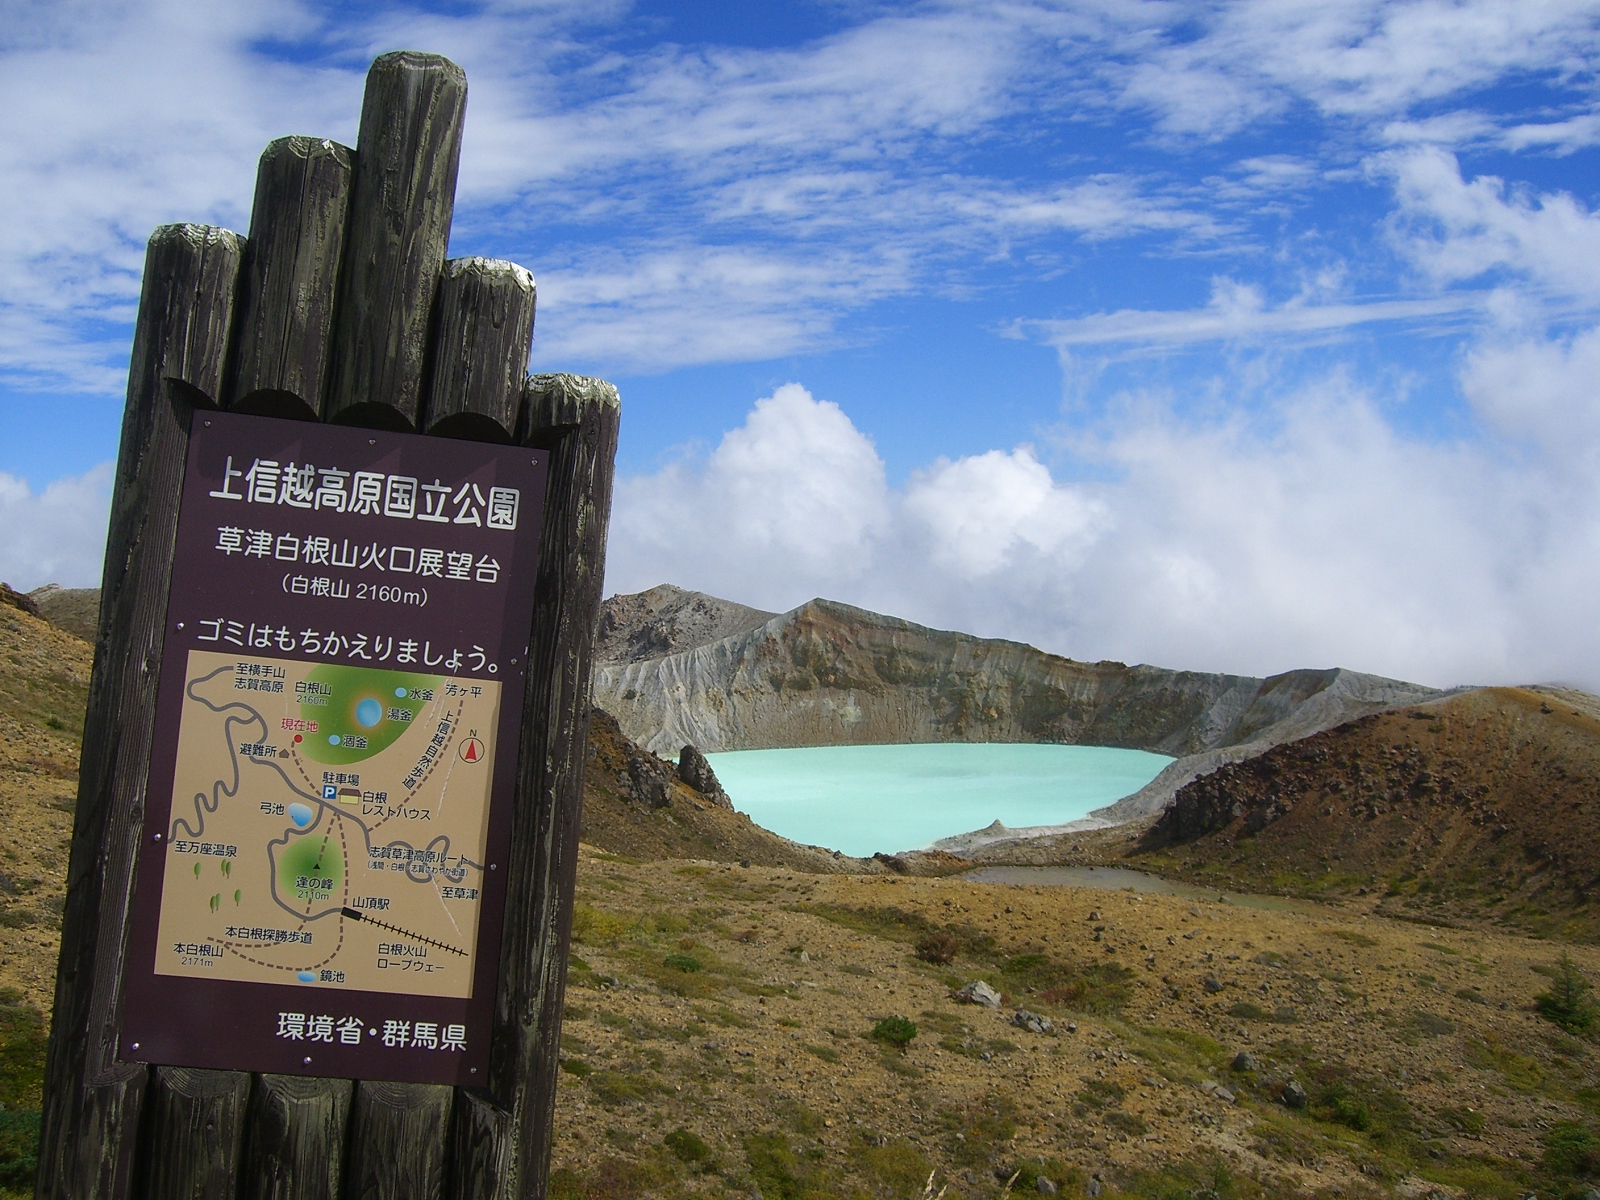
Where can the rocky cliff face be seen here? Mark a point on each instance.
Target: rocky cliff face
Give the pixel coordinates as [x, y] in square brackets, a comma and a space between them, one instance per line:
[828, 674]
[666, 620]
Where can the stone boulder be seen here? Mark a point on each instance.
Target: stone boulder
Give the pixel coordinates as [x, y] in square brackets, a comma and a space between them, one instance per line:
[979, 992]
[694, 770]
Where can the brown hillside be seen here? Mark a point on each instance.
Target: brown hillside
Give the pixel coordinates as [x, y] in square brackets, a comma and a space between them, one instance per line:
[44, 685]
[1484, 806]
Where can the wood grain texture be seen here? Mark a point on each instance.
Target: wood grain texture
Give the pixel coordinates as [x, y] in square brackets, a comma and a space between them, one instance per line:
[194, 1133]
[577, 420]
[398, 1141]
[291, 272]
[294, 1144]
[92, 1102]
[401, 203]
[480, 1147]
[483, 331]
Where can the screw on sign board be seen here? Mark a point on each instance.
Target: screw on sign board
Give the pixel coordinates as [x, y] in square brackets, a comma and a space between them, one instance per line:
[321, 875]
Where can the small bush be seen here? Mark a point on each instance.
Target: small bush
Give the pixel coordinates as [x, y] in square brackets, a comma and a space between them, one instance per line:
[1568, 1002]
[1570, 1149]
[19, 1149]
[938, 948]
[686, 1146]
[681, 962]
[895, 1031]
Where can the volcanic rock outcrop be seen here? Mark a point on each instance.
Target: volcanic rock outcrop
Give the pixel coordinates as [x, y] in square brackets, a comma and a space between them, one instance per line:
[828, 674]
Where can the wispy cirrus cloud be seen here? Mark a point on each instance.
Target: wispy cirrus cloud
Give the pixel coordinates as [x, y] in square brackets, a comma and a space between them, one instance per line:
[1239, 312]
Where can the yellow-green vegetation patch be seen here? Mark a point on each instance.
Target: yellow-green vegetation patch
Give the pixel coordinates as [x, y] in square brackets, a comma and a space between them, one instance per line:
[1519, 1070]
[895, 1168]
[1354, 938]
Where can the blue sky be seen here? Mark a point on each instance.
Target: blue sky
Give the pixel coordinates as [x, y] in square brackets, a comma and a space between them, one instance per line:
[1227, 336]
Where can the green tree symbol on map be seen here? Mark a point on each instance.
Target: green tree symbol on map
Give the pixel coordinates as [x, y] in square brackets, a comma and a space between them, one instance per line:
[237, 892]
[197, 870]
[216, 902]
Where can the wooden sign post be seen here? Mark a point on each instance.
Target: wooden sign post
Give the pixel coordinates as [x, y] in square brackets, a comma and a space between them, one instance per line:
[202, 1016]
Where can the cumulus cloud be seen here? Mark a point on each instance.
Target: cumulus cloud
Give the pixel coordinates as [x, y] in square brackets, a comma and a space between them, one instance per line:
[57, 535]
[794, 498]
[1325, 538]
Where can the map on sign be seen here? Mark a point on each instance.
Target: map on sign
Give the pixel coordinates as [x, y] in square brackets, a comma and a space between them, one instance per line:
[328, 826]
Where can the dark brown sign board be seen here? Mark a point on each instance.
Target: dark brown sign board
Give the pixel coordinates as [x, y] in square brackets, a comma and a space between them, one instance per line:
[321, 878]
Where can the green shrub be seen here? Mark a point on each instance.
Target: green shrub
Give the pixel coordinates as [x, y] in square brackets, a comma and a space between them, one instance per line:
[1570, 1149]
[686, 1146]
[896, 1031]
[1568, 1002]
[681, 962]
[19, 1149]
[23, 1035]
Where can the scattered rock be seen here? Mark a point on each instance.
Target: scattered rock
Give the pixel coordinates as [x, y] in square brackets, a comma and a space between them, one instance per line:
[1211, 984]
[695, 771]
[1294, 1095]
[979, 992]
[1045, 1187]
[1032, 1022]
[1092, 1188]
[1245, 1061]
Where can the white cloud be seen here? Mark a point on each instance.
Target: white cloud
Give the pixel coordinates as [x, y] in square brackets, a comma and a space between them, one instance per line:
[57, 535]
[1364, 60]
[976, 513]
[1236, 312]
[1546, 392]
[1456, 229]
[794, 498]
[1563, 137]
[1325, 538]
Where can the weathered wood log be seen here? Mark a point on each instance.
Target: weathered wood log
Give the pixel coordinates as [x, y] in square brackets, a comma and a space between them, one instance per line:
[196, 1127]
[576, 419]
[294, 1147]
[480, 1147]
[483, 330]
[291, 271]
[398, 1141]
[401, 203]
[92, 1101]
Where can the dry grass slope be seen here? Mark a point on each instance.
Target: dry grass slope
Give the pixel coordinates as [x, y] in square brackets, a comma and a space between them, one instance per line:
[1479, 808]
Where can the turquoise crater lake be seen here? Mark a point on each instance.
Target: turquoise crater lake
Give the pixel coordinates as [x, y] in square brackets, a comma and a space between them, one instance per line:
[863, 799]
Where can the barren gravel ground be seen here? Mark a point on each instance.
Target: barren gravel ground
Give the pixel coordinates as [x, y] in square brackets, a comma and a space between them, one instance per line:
[1427, 1069]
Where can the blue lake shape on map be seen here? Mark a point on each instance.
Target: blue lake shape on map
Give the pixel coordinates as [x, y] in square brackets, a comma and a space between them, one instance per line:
[369, 712]
[307, 976]
[301, 814]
